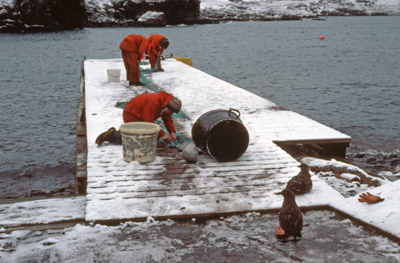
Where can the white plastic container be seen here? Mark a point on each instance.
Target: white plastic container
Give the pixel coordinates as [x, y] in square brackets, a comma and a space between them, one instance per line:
[113, 75]
[139, 141]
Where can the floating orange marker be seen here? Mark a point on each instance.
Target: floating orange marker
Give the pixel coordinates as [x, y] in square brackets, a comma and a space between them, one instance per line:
[321, 37]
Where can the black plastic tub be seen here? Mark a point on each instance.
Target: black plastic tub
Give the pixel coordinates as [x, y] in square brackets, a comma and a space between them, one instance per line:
[221, 134]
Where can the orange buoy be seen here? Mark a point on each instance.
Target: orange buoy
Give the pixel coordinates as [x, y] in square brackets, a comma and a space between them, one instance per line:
[321, 37]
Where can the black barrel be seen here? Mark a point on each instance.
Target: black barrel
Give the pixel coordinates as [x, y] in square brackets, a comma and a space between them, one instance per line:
[221, 134]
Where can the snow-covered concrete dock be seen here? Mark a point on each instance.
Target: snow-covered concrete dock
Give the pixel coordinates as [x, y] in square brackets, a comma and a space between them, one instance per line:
[170, 187]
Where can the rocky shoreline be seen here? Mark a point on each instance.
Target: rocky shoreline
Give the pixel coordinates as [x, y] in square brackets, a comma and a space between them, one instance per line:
[17, 16]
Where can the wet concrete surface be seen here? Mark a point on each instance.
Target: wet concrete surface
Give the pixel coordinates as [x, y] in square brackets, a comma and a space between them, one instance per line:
[328, 237]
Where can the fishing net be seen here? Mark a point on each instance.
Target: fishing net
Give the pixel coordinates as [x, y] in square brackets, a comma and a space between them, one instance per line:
[143, 78]
[179, 137]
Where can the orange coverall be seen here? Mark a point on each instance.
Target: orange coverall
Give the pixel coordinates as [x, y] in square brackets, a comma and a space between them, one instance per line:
[147, 107]
[155, 49]
[132, 48]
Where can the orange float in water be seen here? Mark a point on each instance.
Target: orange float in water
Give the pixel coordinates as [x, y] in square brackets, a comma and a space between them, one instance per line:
[321, 37]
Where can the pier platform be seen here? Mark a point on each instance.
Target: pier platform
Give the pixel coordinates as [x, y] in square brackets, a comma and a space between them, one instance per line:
[170, 187]
[112, 190]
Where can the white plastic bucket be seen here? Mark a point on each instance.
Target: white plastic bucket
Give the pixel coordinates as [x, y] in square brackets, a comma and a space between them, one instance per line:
[139, 141]
[113, 75]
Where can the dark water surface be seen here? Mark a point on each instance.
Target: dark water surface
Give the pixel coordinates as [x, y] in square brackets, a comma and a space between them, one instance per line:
[349, 81]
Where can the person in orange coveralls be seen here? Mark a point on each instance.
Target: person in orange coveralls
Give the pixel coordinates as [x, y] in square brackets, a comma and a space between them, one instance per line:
[147, 107]
[132, 48]
[157, 45]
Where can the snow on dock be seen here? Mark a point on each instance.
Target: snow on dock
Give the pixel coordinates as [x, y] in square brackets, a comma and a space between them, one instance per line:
[171, 187]
[42, 211]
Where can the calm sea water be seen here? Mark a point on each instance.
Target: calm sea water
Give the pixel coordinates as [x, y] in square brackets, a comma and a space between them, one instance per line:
[349, 81]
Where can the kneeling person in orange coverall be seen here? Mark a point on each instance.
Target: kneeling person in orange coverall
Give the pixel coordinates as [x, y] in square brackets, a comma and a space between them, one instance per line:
[132, 48]
[147, 107]
[157, 45]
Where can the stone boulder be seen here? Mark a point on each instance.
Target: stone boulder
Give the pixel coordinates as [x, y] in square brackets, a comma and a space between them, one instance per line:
[152, 19]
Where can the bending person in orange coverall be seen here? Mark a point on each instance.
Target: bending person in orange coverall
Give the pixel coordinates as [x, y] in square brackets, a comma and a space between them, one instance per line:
[157, 45]
[147, 107]
[132, 48]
